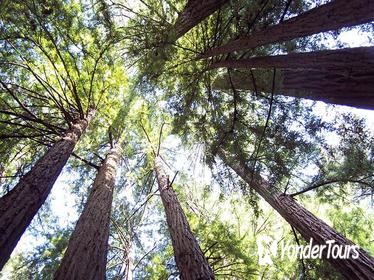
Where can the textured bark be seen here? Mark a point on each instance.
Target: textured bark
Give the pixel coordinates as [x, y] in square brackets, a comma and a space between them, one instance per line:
[350, 87]
[195, 12]
[190, 259]
[347, 59]
[19, 206]
[306, 223]
[85, 257]
[331, 16]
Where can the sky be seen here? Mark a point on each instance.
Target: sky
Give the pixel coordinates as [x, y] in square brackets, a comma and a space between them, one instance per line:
[63, 202]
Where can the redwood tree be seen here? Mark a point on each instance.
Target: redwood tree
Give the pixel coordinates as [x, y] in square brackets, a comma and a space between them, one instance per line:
[350, 87]
[305, 222]
[342, 76]
[331, 16]
[85, 257]
[340, 59]
[189, 258]
[19, 206]
[194, 12]
[49, 90]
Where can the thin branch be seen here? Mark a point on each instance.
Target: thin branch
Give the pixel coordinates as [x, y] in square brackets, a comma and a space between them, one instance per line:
[235, 93]
[86, 161]
[172, 181]
[142, 205]
[301, 259]
[145, 255]
[266, 123]
[328, 182]
[210, 247]
[159, 139]
[285, 10]
[254, 82]
[17, 99]
[149, 140]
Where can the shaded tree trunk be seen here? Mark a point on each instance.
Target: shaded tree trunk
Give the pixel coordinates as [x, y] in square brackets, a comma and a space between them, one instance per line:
[190, 259]
[342, 59]
[350, 87]
[195, 12]
[85, 257]
[255, 80]
[305, 222]
[331, 16]
[19, 206]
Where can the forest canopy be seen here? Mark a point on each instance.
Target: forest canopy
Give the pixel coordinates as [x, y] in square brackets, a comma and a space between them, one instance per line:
[164, 139]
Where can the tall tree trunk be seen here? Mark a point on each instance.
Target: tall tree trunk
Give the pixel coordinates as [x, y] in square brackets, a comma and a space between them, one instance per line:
[331, 16]
[127, 268]
[305, 222]
[350, 87]
[19, 206]
[85, 257]
[190, 259]
[195, 12]
[342, 59]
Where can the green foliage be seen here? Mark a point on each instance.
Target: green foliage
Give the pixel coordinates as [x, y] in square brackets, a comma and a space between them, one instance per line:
[58, 63]
[61, 59]
[356, 224]
[43, 262]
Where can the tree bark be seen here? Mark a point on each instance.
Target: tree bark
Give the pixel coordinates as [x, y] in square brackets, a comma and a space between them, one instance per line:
[19, 206]
[350, 87]
[331, 16]
[305, 222]
[346, 59]
[85, 257]
[190, 259]
[195, 12]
